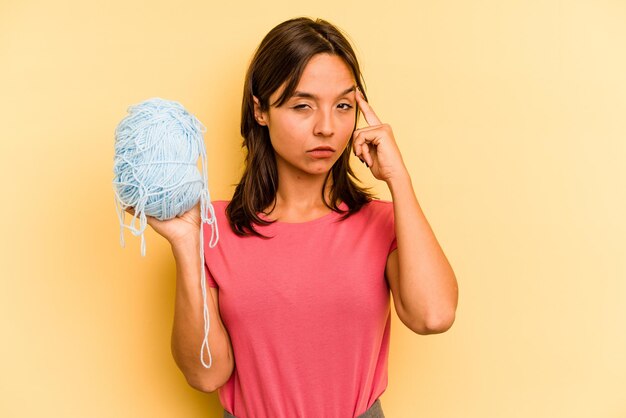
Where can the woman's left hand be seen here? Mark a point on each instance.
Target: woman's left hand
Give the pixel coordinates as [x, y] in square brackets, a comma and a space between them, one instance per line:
[376, 145]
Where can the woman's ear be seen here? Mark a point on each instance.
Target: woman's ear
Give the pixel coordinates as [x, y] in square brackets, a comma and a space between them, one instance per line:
[259, 115]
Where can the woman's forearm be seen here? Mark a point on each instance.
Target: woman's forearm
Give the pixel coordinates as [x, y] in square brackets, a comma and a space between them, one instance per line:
[188, 328]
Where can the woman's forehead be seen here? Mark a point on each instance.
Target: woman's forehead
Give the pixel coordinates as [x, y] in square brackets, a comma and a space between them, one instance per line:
[312, 95]
[326, 70]
[325, 76]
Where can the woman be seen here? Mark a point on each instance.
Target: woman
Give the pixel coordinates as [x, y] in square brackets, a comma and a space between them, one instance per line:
[300, 310]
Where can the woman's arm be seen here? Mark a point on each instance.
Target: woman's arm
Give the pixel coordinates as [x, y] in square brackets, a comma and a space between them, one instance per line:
[188, 329]
[422, 281]
[183, 234]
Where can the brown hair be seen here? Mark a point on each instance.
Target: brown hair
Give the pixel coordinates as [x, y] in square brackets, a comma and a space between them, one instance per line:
[280, 59]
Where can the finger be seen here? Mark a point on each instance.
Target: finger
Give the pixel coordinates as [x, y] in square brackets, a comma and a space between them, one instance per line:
[369, 134]
[365, 152]
[358, 143]
[369, 128]
[366, 109]
[361, 147]
[360, 154]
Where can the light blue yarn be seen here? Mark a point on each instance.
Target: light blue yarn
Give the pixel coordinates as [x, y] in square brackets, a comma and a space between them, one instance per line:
[157, 147]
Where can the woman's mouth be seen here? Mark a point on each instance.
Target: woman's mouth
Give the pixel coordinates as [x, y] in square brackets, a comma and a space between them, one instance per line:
[321, 152]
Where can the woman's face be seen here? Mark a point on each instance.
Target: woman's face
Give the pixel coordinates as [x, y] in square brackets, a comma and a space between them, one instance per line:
[321, 113]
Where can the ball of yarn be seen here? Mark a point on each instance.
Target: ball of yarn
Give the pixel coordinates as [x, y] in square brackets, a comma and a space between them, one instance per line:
[157, 147]
[156, 151]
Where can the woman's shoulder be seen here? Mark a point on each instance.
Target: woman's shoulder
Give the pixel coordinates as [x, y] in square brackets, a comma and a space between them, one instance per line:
[382, 202]
[380, 205]
[374, 210]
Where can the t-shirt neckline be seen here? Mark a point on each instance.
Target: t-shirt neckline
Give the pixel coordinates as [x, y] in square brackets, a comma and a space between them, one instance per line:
[329, 216]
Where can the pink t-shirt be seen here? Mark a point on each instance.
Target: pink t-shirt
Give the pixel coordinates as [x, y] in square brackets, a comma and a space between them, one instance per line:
[308, 313]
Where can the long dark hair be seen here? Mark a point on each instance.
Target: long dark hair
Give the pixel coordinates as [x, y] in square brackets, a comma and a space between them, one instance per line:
[281, 58]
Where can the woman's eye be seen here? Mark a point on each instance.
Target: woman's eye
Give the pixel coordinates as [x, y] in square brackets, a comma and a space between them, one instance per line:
[345, 106]
[301, 106]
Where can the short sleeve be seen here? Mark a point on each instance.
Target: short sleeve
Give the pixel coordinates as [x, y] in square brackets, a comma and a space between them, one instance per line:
[392, 226]
[393, 246]
[210, 281]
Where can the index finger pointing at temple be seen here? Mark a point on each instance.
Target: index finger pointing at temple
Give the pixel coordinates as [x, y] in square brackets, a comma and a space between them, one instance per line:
[366, 109]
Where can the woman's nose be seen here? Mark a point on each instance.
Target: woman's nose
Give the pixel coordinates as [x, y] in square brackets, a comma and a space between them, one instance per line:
[324, 123]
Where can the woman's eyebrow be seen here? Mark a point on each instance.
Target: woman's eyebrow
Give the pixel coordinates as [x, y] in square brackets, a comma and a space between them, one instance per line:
[313, 96]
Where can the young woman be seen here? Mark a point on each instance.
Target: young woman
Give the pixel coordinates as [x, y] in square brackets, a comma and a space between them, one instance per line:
[300, 278]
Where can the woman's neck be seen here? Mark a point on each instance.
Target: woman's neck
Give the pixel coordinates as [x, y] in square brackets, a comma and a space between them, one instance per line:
[298, 198]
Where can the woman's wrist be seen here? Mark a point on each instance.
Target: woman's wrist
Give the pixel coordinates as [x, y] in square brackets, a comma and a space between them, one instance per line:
[402, 180]
[185, 246]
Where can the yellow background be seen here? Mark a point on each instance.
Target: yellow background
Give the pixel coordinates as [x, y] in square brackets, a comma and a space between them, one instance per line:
[511, 117]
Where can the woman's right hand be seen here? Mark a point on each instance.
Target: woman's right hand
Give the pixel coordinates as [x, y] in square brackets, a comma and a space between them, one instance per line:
[178, 229]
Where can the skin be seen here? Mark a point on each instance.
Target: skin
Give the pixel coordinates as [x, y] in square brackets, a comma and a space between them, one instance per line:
[420, 277]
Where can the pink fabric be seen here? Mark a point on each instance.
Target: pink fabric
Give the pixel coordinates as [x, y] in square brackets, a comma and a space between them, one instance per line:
[308, 313]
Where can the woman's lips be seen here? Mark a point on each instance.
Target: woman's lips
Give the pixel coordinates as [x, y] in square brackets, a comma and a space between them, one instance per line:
[321, 153]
